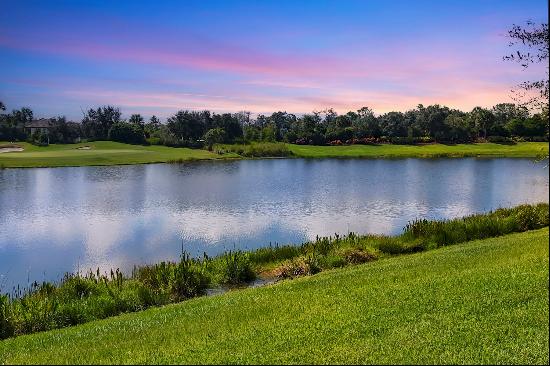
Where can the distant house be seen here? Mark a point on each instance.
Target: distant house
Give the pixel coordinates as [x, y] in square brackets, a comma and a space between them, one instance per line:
[44, 125]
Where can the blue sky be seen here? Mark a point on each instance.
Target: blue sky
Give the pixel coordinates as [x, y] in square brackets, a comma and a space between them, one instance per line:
[60, 57]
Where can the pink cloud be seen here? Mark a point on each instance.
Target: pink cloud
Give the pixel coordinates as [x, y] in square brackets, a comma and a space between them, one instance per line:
[394, 62]
[393, 77]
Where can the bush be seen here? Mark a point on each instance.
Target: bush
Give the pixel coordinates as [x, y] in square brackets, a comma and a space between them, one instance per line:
[214, 136]
[153, 141]
[363, 141]
[500, 140]
[39, 139]
[129, 133]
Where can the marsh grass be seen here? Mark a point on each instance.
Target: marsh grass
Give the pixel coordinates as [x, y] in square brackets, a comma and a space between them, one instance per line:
[79, 298]
[234, 267]
[255, 149]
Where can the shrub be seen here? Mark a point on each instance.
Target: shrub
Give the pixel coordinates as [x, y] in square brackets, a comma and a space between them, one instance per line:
[154, 141]
[500, 140]
[126, 132]
[39, 139]
[214, 136]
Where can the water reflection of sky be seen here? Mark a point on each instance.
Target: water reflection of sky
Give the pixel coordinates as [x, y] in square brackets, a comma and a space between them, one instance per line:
[66, 219]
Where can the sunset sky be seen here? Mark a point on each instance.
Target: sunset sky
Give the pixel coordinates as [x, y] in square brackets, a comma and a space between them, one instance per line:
[261, 56]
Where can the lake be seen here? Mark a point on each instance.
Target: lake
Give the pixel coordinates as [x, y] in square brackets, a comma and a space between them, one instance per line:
[68, 219]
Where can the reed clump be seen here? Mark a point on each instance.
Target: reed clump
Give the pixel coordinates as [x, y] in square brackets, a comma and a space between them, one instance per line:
[256, 149]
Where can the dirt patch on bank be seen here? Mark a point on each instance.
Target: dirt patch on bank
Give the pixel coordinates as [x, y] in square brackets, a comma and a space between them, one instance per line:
[10, 148]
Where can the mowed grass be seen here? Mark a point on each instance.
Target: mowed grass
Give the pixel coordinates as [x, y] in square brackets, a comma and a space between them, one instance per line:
[114, 153]
[484, 301]
[100, 153]
[522, 149]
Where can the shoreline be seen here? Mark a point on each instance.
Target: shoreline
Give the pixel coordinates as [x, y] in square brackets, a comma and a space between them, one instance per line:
[167, 282]
[367, 299]
[106, 153]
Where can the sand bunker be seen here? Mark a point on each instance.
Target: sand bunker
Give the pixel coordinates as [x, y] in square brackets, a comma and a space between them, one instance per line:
[84, 148]
[10, 149]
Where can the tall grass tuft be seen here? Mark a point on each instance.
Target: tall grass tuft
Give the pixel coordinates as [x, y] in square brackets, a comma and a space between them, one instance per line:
[256, 149]
[175, 281]
[236, 268]
[500, 222]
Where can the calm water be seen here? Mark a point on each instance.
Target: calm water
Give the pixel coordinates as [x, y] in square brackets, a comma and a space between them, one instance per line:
[66, 219]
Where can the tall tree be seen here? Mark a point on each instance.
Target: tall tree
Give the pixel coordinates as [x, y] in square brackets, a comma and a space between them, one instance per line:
[505, 112]
[366, 124]
[153, 126]
[97, 122]
[137, 119]
[186, 125]
[458, 127]
[393, 124]
[531, 42]
[482, 120]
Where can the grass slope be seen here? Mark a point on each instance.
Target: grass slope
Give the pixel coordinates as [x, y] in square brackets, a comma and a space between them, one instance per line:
[479, 302]
[113, 153]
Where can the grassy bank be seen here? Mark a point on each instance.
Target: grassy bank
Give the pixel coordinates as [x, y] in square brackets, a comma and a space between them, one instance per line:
[113, 153]
[522, 149]
[480, 302]
[82, 298]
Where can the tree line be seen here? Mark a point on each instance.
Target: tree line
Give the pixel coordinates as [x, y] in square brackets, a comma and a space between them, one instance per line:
[433, 123]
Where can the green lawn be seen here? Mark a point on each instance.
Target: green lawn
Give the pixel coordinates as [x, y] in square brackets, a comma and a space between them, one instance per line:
[101, 153]
[522, 149]
[113, 153]
[478, 302]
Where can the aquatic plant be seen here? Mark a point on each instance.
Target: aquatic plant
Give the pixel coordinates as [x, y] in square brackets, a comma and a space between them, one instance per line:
[236, 268]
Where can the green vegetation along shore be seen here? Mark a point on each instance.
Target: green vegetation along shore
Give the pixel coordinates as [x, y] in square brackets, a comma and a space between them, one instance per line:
[481, 302]
[114, 153]
[80, 298]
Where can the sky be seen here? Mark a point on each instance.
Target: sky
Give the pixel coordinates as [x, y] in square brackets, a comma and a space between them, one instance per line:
[152, 57]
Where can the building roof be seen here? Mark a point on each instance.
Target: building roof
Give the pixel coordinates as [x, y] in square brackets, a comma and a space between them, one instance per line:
[39, 123]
